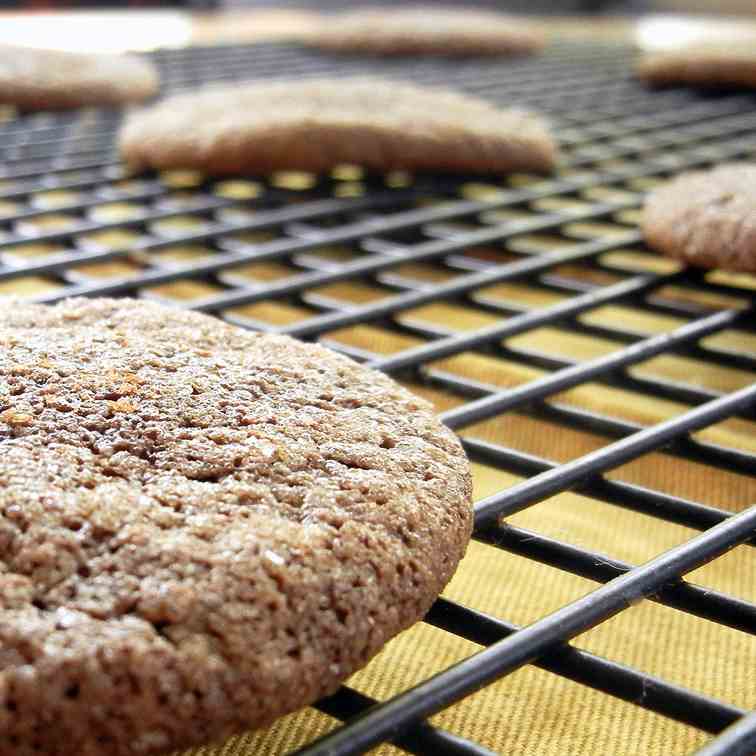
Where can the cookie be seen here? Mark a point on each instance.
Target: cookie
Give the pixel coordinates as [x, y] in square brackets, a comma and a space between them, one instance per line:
[706, 218]
[35, 79]
[701, 66]
[313, 125]
[201, 528]
[426, 31]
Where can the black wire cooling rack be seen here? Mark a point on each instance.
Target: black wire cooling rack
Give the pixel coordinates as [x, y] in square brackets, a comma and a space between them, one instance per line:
[72, 222]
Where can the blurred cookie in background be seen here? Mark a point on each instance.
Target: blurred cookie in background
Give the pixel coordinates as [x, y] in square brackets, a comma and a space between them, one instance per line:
[36, 79]
[426, 31]
[706, 66]
[706, 218]
[317, 124]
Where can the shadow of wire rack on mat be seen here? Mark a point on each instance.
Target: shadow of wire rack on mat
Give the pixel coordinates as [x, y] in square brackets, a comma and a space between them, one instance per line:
[605, 396]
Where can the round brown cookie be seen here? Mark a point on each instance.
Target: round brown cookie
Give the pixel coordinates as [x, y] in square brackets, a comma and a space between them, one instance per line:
[35, 79]
[701, 66]
[426, 31]
[315, 124]
[201, 528]
[706, 218]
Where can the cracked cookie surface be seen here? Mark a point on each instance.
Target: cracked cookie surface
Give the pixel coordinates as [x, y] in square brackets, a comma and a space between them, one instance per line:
[201, 528]
[706, 218]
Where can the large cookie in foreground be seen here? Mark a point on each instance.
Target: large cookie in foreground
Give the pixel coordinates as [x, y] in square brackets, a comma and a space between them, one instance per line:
[425, 31]
[315, 124]
[35, 79]
[201, 528]
[706, 218]
[703, 66]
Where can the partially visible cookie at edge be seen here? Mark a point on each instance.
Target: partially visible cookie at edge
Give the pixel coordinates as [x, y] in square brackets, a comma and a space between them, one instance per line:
[201, 528]
[35, 79]
[315, 124]
[426, 31]
[703, 66]
[706, 218]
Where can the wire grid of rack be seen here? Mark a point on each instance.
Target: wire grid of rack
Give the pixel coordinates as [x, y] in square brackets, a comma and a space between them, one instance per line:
[510, 260]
